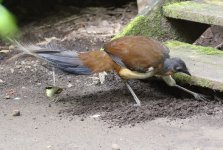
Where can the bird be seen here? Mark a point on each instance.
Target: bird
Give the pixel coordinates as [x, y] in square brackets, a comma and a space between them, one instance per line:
[130, 57]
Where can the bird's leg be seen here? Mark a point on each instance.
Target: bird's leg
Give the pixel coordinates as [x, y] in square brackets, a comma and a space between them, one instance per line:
[54, 77]
[138, 103]
[196, 95]
[54, 83]
[102, 76]
[128, 74]
[55, 99]
[171, 82]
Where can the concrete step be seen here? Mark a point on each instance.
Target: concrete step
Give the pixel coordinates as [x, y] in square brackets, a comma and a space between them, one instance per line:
[207, 12]
[204, 63]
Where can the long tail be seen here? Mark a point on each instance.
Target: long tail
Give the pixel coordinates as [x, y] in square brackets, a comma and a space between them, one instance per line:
[66, 60]
[70, 61]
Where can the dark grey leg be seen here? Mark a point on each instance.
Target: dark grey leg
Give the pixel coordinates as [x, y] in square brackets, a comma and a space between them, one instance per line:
[138, 103]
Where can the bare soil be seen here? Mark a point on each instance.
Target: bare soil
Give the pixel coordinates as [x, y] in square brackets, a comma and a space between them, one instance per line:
[87, 110]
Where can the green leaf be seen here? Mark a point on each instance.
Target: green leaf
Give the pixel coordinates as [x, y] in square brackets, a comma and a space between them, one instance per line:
[8, 25]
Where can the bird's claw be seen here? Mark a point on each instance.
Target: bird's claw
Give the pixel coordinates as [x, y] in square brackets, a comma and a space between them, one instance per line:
[137, 105]
[55, 100]
[201, 97]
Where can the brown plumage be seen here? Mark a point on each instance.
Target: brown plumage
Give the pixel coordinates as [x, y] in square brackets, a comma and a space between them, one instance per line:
[97, 61]
[131, 57]
[138, 53]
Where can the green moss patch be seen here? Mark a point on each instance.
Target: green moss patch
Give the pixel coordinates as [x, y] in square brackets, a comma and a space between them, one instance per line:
[196, 12]
[200, 49]
[197, 81]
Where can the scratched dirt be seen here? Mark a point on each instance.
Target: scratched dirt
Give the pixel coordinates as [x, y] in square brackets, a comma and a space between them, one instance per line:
[87, 110]
[83, 95]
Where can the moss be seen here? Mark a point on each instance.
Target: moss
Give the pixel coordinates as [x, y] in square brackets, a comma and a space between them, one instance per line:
[152, 25]
[195, 11]
[200, 49]
[185, 5]
[142, 25]
[173, 9]
[133, 28]
[182, 78]
[192, 80]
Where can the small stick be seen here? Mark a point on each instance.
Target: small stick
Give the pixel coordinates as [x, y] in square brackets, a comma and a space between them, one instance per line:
[54, 78]
[219, 45]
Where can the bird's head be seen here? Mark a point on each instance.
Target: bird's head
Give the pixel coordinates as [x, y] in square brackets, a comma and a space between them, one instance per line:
[174, 65]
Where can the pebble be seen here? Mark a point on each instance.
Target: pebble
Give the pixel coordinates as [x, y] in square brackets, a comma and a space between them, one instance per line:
[209, 113]
[69, 85]
[7, 97]
[16, 113]
[17, 98]
[11, 47]
[12, 70]
[49, 146]
[38, 83]
[82, 119]
[115, 147]
[95, 116]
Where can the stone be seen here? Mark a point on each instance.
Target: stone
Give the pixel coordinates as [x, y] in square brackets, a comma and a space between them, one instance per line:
[196, 12]
[7, 97]
[202, 62]
[115, 147]
[16, 113]
[152, 23]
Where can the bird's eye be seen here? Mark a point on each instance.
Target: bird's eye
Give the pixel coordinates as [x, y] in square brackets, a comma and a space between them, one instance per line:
[178, 69]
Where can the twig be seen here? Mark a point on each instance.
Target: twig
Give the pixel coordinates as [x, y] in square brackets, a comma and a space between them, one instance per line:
[219, 46]
[54, 78]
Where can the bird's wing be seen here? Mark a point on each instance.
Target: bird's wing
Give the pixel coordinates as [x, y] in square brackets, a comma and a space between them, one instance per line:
[116, 59]
[70, 61]
[138, 53]
[97, 61]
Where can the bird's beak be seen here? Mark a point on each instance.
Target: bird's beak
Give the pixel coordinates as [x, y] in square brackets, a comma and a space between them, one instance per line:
[186, 72]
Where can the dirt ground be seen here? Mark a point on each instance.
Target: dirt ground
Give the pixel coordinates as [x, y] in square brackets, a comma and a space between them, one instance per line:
[91, 116]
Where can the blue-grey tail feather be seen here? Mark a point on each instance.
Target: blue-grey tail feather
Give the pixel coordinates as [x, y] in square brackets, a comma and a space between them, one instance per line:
[67, 61]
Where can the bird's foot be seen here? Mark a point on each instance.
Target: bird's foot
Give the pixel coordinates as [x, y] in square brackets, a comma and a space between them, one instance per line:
[137, 105]
[102, 76]
[201, 97]
[55, 100]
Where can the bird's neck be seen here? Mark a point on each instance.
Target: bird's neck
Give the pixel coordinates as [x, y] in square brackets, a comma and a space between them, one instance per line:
[168, 65]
